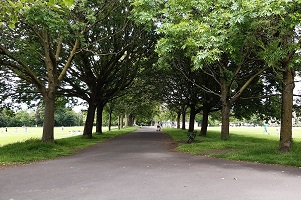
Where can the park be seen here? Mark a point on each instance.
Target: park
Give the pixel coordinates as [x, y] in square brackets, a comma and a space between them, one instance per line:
[220, 81]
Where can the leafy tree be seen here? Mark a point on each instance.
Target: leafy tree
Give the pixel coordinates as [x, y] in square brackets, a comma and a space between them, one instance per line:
[36, 50]
[233, 35]
[205, 33]
[67, 117]
[10, 118]
[119, 48]
[272, 27]
[11, 11]
[6, 116]
[110, 115]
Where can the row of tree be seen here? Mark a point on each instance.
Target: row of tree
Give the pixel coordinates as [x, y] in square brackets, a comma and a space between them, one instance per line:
[237, 57]
[230, 50]
[85, 49]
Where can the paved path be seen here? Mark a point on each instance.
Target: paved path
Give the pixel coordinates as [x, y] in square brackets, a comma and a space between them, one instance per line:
[141, 166]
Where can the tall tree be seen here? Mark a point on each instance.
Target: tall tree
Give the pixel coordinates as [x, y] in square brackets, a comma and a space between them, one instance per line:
[117, 50]
[36, 50]
[278, 36]
[205, 33]
[225, 33]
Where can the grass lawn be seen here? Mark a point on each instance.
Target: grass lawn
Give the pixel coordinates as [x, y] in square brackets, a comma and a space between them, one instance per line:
[19, 134]
[21, 149]
[245, 144]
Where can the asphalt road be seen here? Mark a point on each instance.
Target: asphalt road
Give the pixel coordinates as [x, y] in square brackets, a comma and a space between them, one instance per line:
[142, 166]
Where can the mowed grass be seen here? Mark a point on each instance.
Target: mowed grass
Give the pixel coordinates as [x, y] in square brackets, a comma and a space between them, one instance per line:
[245, 144]
[32, 150]
[20, 134]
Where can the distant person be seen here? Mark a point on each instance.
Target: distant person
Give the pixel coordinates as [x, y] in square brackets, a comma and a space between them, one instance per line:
[6, 129]
[158, 127]
[265, 128]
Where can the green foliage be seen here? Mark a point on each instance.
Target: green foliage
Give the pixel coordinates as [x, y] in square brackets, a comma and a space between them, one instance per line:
[207, 30]
[9, 118]
[63, 117]
[11, 10]
[67, 117]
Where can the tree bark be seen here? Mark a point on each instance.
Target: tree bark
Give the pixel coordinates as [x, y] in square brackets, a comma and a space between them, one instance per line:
[130, 120]
[121, 121]
[225, 122]
[89, 120]
[127, 120]
[287, 109]
[204, 123]
[178, 120]
[226, 106]
[191, 118]
[183, 117]
[99, 118]
[48, 127]
[110, 120]
[183, 122]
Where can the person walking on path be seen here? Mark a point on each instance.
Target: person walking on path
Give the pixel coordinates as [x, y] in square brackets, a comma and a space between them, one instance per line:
[159, 126]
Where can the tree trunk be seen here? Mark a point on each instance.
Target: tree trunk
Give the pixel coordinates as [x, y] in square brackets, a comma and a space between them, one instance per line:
[120, 122]
[119, 119]
[48, 127]
[287, 109]
[204, 123]
[191, 118]
[127, 120]
[225, 90]
[110, 120]
[178, 120]
[130, 120]
[225, 110]
[183, 117]
[183, 122]
[99, 118]
[225, 122]
[89, 121]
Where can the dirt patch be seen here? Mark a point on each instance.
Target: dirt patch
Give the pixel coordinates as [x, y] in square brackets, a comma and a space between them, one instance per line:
[3, 166]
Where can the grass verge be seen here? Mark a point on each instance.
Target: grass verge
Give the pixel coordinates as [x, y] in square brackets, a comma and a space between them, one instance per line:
[33, 150]
[241, 146]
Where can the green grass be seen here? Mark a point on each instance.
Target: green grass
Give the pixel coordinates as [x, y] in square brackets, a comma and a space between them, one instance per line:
[33, 150]
[18, 134]
[245, 144]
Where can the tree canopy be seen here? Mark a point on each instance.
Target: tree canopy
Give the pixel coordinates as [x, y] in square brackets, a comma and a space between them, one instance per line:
[210, 55]
[240, 39]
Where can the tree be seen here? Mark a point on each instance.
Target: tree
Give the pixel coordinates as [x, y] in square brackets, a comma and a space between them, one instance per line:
[36, 50]
[274, 28]
[204, 33]
[118, 48]
[225, 33]
[11, 11]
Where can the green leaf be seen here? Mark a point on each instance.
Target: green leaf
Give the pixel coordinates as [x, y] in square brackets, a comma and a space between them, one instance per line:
[69, 3]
